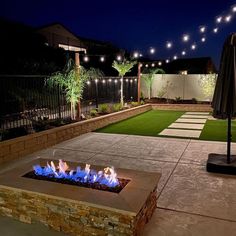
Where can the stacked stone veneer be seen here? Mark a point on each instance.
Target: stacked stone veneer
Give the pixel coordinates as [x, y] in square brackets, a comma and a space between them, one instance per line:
[18, 147]
[72, 217]
[183, 107]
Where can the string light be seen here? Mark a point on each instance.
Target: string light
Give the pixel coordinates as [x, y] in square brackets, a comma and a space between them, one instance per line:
[152, 50]
[88, 82]
[218, 19]
[102, 59]
[186, 37]
[202, 29]
[169, 45]
[183, 53]
[228, 18]
[96, 80]
[153, 64]
[86, 59]
[119, 58]
[215, 30]
[234, 9]
[109, 80]
[159, 63]
[167, 61]
[127, 80]
[115, 81]
[146, 65]
[103, 81]
[140, 55]
[203, 39]
[175, 57]
[135, 55]
[193, 47]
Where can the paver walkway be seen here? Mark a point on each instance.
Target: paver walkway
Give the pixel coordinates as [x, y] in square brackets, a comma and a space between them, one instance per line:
[191, 201]
[189, 125]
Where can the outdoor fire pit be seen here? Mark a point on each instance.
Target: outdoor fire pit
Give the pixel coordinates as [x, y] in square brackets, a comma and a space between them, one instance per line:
[77, 199]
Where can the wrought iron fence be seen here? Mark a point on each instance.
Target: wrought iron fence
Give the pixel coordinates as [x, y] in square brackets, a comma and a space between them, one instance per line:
[27, 101]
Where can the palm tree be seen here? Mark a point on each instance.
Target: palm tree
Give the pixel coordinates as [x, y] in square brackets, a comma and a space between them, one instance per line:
[123, 68]
[72, 80]
[149, 78]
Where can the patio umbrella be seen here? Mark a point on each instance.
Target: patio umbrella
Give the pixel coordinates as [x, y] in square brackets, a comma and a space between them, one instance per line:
[224, 105]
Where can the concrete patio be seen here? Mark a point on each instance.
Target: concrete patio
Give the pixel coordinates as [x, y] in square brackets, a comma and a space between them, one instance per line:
[190, 200]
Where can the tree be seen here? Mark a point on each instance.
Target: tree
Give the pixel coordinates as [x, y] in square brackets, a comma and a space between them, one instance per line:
[73, 80]
[123, 68]
[208, 82]
[149, 78]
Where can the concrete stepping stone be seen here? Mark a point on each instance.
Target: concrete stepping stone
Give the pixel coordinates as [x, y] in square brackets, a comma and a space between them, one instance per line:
[188, 120]
[195, 116]
[181, 133]
[186, 126]
[196, 113]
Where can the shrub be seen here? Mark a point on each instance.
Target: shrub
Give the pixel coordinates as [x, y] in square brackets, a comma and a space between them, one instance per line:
[103, 108]
[194, 100]
[142, 102]
[116, 107]
[134, 104]
[93, 112]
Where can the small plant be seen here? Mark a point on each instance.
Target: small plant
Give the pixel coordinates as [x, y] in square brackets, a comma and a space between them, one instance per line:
[164, 90]
[103, 108]
[194, 100]
[142, 102]
[177, 99]
[93, 112]
[116, 107]
[134, 104]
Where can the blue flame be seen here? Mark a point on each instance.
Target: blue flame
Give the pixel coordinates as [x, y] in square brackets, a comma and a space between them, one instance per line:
[107, 177]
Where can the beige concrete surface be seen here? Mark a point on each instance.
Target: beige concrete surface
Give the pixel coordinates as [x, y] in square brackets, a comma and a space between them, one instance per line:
[190, 200]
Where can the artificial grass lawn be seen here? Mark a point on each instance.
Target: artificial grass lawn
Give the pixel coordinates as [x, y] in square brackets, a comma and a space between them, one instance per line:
[149, 123]
[216, 130]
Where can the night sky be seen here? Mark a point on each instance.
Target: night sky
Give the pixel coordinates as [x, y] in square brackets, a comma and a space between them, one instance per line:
[133, 25]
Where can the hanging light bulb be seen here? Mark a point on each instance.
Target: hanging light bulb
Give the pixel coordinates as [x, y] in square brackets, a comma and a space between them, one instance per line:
[193, 47]
[215, 30]
[202, 29]
[86, 59]
[169, 45]
[152, 50]
[186, 37]
[218, 19]
[135, 54]
[228, 18]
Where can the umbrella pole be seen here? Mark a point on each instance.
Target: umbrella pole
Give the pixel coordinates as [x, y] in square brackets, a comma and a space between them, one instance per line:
[229, 139]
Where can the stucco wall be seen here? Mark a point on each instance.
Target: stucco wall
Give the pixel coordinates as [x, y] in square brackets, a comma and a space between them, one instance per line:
[184, 86]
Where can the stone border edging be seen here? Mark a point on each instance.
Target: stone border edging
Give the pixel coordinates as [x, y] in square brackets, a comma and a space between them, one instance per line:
[182, 107]
[21, 146]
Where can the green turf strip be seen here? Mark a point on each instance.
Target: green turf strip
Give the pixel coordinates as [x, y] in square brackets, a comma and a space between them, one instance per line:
[216, 130]
[149, 123]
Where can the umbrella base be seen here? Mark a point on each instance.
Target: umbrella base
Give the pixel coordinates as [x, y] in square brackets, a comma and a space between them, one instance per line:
[217, 163]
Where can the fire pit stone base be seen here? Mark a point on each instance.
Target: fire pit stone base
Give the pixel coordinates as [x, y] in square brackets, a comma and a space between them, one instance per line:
[74, 215]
